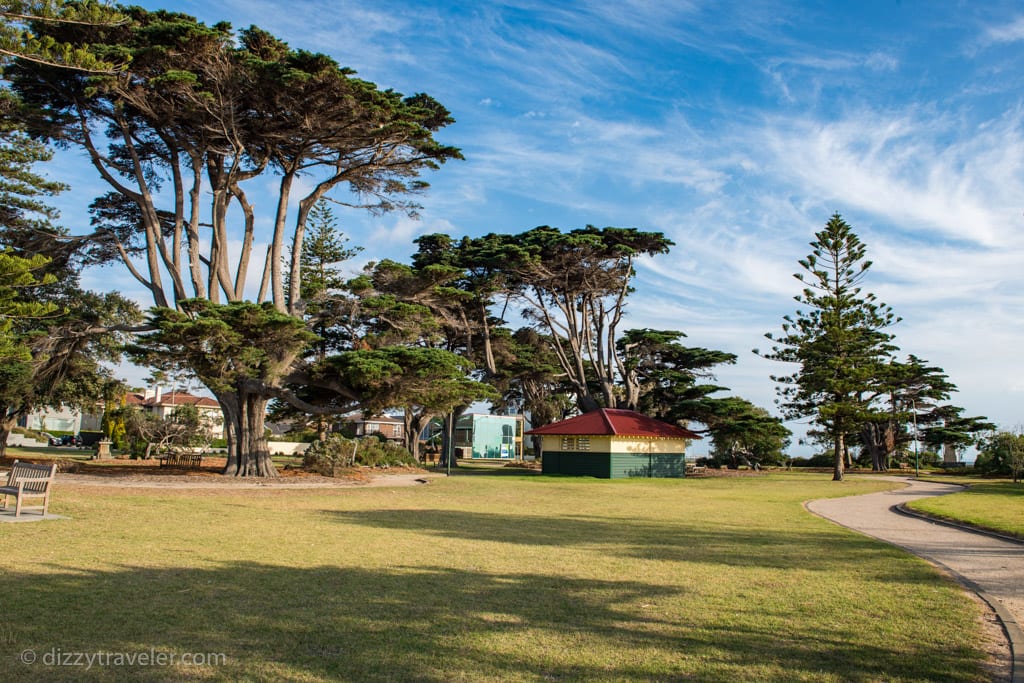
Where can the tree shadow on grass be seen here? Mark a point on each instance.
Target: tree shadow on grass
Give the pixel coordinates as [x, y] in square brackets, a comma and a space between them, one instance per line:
[429, 624]
[824, 548]
[476, 469]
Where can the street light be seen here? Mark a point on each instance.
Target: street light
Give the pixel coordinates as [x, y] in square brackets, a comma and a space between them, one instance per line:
[451, 443]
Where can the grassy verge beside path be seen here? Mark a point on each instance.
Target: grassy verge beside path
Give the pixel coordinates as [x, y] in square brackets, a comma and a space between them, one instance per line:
[994, 505]
[479, 578]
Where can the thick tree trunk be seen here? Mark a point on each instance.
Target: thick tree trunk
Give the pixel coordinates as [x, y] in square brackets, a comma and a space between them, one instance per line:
[446, 440]
[485, 329]
[9, 417]
[411, 444]
[448, 436]
[248, 451]
[839, 443]
[413, 425]
[889, 440]
[229, 409]
[587, 403]
[5, 431]
[611, 400]
[872, 442]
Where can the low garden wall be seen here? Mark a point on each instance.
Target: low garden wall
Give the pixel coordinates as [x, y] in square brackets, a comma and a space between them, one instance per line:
[20, 440]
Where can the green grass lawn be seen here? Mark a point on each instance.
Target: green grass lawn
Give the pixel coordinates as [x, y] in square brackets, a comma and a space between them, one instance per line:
[995, 505]
[479, 578]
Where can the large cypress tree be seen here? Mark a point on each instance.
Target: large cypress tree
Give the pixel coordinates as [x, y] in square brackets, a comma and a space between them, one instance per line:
[18, 18]
[200, 116]
[839, 340]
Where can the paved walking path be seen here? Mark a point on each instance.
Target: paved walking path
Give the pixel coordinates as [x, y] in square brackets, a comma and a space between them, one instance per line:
[991, 567]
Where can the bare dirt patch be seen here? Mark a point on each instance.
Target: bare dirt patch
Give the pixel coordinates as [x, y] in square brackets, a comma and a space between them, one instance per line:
[149, 474]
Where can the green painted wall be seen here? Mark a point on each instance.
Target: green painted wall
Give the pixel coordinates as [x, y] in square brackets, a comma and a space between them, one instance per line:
[660, 465]
[614, 465]
[576, 464]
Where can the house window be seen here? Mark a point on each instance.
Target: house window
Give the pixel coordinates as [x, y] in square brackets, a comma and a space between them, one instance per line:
[575, 443]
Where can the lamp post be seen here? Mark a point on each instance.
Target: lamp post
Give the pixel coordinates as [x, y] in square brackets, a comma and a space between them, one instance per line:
[451, 443]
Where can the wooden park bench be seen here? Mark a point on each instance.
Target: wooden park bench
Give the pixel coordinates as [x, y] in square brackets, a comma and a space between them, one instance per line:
[181, 460]
[28, 480]
[695, 469]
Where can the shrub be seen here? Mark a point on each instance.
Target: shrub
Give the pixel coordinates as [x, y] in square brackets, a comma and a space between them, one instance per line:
[328, 456]
[137, 448]
[383, 453]
[1002, 454]
[819, 460]
[113, 427]
[336, 453]
[300, 435]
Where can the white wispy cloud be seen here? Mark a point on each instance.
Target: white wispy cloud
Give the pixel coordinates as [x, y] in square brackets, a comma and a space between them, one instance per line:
[1009, 32]
[357, 34]
[914, 168]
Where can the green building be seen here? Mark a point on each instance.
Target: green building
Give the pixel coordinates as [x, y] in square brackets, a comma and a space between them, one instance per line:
[613, 444]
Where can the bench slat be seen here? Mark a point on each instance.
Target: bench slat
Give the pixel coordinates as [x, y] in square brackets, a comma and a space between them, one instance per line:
[28, 480]
[181, 460]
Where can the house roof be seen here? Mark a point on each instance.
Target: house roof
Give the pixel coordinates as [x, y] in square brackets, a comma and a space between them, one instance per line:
[614, 422]
[386, 419]
[172, 398]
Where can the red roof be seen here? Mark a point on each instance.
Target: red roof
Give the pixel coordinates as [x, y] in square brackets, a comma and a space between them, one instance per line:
[614, 422]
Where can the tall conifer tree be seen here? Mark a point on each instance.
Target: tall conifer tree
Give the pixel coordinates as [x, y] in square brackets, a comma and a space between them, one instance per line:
[839, 340]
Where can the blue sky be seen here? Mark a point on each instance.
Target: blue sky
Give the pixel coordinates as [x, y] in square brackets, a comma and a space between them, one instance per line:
[736, 128]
